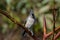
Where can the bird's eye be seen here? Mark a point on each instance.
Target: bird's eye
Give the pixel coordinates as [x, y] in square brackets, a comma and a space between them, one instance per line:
[32, 14]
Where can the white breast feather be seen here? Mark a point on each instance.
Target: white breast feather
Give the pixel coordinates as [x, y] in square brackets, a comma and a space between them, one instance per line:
[29, 23]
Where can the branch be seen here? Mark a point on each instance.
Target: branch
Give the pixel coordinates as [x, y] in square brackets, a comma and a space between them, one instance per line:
[16, 22]
[45, 27]
[50, 33]
[54, 13]
[58, 34]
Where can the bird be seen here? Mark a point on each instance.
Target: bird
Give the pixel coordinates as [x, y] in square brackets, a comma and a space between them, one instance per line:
[30, 21]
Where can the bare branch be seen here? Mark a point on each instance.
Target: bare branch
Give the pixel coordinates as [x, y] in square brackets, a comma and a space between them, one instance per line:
[50, 33]
[45, 27]
[54, 13]
[58, 34]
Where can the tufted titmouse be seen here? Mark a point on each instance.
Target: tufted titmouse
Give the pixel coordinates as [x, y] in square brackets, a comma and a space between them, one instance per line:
[30, 21]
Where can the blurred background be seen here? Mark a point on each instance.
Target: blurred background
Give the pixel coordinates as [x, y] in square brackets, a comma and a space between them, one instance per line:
[19, 9]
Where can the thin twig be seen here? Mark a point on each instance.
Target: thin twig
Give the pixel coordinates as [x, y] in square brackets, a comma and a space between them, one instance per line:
[58, 35]
[54, 13]
[50, 33]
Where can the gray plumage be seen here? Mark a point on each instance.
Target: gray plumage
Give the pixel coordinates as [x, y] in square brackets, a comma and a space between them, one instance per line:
[30, 21]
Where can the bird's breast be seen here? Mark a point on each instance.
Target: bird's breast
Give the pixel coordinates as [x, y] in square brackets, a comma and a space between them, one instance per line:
[29, 22]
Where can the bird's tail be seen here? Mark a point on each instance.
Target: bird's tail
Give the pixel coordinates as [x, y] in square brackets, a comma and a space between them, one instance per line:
[24, 33]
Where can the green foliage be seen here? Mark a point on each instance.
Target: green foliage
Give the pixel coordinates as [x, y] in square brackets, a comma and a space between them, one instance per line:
[18, 8]
[2, 7]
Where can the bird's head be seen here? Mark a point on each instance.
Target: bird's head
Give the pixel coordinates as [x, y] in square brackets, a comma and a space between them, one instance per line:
[32, 13]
